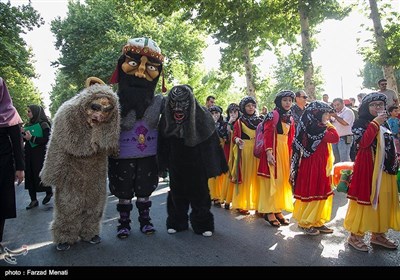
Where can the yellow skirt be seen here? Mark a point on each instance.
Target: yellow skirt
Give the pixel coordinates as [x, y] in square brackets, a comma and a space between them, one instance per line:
[362, 218]
[314, 213]
[276, 194]
[227, 188]
[215, 186]
[245, 195]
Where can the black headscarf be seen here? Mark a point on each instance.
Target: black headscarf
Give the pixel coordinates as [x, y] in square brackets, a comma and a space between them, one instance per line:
[361, 124]
[251, 121]
[284, 115]
[309, 133]
[220, 125]
[39, 116]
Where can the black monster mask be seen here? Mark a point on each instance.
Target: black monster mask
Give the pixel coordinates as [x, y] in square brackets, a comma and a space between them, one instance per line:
[180, 104]
[185, 118]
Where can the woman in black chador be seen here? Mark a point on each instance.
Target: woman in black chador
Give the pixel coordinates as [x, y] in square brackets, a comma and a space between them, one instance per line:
[35, 151]
[190, 147]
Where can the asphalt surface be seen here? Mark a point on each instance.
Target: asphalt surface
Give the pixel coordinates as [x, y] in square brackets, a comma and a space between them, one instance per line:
[243, 241]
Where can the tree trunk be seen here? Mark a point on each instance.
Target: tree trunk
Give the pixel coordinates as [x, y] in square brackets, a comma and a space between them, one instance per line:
[388, 70]
[249, 74]
[308, 67]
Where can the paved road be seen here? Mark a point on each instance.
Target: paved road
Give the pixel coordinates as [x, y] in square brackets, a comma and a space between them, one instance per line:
[238, 241]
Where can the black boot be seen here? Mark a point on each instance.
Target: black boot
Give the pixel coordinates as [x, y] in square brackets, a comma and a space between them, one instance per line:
[124, 227]
[144, 217]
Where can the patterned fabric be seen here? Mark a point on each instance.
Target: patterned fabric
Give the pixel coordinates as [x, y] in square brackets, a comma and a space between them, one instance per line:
[360, 126]
[232, 107]
[309, 133]
[250, 121]
[143, 46]
[296, 113]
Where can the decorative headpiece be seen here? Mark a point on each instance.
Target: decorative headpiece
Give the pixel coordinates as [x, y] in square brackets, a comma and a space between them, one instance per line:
[143, 46]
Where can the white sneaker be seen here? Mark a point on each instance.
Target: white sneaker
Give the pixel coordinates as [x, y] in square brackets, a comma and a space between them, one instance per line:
[207, 233]
[171, 231]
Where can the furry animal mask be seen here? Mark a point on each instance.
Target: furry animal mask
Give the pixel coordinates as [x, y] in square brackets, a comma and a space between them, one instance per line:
[87, 125]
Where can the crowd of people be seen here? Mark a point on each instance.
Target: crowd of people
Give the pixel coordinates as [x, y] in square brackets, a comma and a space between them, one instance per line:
[302, 143]
[210, 157]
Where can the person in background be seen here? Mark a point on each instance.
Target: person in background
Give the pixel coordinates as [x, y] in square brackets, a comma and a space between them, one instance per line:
[393, 121]
[349, 104]
[373, 197]
[325, 98]
[394, 124]
[215, 183]
[299, 106]
[35, 151]
[312, 162]
[264, 111]
[11, 157]
[353, 149]
[392, 98]
[360, 96]
[233, 114]
[353, 102]
[210, 101]
[343, 120]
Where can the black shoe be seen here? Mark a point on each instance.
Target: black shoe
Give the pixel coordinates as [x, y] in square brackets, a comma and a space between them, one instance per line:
[33, 204]
[63, 246]
[47, 198]
[95, 239]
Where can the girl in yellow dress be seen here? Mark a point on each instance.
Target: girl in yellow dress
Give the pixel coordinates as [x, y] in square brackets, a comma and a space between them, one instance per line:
[274, 169]
[374, 201]
[243, 164]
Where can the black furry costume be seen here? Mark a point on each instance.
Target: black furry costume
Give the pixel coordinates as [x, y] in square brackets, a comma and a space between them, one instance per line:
[190, 147]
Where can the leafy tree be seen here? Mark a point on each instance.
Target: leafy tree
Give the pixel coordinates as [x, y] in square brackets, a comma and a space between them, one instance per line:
[310, 14]
[372, 73]
[91, 36]
[385, 49]
[250, 27]
[16, 59]
[247, 28]
[22, 91]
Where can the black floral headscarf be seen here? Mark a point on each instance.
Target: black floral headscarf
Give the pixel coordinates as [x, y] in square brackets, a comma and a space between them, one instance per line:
[251, 121]
[284, 115]
[390, 164]
[309, 133]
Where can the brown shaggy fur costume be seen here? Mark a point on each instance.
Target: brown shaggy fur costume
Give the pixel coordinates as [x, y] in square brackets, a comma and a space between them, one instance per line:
[76, 165]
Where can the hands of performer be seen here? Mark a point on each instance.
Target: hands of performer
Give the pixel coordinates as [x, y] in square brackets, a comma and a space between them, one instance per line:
[240, 143]
[270, 158]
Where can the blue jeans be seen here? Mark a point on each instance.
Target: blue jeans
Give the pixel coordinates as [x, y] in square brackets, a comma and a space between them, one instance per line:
[341, 150]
